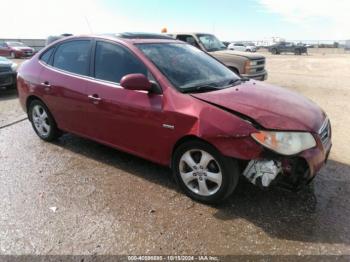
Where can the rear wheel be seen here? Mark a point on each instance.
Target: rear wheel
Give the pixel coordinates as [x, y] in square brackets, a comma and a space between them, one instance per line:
[42, 121]
[274, 51]
[203, 173]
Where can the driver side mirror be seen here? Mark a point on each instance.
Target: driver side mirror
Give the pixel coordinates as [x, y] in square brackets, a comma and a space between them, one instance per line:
[136, 82]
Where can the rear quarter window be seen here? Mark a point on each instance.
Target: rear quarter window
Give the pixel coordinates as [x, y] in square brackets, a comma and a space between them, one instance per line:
[45, 57]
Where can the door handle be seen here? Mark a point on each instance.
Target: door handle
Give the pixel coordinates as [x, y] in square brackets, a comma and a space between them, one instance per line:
[95, 98]
[46, 83]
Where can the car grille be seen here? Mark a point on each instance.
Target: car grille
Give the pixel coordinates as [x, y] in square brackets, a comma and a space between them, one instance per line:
[325, 132]
[258, 68]
[5, 69]
[261, 62]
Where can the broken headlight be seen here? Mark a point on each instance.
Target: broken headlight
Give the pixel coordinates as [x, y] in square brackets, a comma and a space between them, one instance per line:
[285, 143]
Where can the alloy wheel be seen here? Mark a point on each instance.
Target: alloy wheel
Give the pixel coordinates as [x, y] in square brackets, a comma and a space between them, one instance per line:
[41, 121]
[200, 172]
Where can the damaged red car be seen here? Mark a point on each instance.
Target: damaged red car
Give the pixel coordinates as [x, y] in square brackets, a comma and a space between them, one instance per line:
[171, 103]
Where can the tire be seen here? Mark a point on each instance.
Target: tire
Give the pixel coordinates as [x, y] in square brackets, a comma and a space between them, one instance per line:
[274, 51]
[212, 176]
[297, 52]
[42, 121]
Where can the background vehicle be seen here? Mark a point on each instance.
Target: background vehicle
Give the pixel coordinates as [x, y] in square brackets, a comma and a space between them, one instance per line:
[15, 50]
[7, 73]
[287, 47]
[53, 38]
[226, 43]
[168, 102]
[247, 65]
[244, 47]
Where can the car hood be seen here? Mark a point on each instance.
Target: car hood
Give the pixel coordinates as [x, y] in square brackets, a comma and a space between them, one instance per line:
[229, 53]
[4, 63]
[270, 106]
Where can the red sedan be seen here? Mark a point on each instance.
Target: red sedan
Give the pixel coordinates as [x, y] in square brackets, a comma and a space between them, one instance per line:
[170, 103]
[15, 50]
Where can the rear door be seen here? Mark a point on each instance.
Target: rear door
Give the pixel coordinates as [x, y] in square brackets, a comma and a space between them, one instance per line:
[64, 79]
[130, 120]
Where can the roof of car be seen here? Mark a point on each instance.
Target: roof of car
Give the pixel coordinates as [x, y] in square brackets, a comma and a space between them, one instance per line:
[135, 35]
[189, 33]
[133, 38]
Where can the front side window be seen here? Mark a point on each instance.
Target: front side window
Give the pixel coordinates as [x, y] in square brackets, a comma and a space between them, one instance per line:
[73, 56]
[211, 43]
[112, 62]
[188, 68]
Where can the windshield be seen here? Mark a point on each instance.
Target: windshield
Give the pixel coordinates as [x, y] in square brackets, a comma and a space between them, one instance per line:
[188, 68]
[211, 43]
[15, 44]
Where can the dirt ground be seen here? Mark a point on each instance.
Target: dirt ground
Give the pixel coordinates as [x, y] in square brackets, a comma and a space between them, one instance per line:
[75, 196]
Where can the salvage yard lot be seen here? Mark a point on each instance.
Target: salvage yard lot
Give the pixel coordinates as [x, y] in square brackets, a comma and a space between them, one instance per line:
[109, 202]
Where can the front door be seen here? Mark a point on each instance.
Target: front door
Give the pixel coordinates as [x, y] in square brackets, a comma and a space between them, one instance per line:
[130, 120]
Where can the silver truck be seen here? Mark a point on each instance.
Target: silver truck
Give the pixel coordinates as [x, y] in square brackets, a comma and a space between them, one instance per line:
[245, 64]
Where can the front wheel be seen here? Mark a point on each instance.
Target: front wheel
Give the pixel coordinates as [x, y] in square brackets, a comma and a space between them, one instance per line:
[203, 173]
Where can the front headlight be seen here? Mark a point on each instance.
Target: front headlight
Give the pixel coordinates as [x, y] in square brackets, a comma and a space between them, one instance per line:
[285, 143]
[14, 67]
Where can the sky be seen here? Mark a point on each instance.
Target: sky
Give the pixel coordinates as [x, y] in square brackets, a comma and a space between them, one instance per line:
[230, 20]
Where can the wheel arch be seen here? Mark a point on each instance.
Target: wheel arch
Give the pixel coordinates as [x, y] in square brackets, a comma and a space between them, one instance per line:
[30, 99]
[187, 139]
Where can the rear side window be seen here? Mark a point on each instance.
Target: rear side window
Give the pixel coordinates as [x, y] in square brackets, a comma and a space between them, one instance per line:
[112, 62]
[73, 56]
[46, 56]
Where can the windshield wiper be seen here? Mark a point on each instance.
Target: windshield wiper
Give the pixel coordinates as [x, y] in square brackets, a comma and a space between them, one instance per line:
[236, 81]
[201, 88]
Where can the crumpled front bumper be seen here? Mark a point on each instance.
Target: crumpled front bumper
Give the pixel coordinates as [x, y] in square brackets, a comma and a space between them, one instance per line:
[290, 172]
